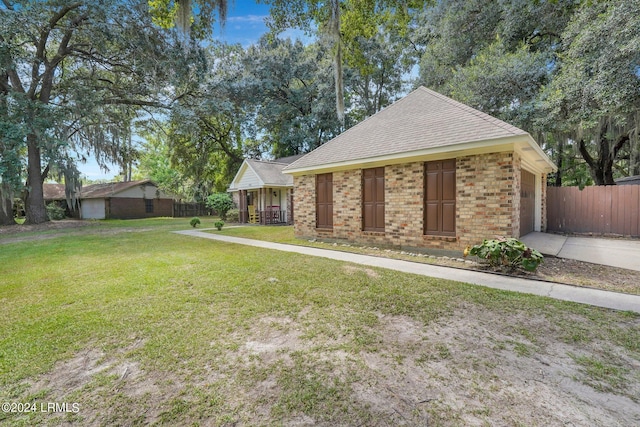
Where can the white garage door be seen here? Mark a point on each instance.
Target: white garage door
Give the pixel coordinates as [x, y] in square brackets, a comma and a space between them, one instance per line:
[93, 209]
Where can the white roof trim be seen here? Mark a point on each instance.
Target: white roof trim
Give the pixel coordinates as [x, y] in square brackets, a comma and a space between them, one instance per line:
[243, 168]
[455, 150]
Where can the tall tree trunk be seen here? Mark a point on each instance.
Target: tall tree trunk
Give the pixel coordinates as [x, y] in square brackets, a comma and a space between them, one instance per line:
[601, 169]
[558, 180]
[34, 202]
[6, 205]
[6, 195]
[334, 32]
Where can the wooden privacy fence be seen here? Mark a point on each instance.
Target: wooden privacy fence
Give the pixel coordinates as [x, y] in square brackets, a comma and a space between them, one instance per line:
[613, 210]
[190, 209]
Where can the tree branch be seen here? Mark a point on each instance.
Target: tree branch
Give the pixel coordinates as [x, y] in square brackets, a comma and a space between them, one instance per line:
[622, 140]
[585, 154]
[42, 45]
[220, 137]
[136, 102]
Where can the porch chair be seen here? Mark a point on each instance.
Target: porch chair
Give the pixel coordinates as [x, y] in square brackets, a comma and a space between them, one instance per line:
[253, 215]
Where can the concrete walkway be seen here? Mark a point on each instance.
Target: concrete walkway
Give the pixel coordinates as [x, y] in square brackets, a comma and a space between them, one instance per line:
[613, 252]
[596, 297]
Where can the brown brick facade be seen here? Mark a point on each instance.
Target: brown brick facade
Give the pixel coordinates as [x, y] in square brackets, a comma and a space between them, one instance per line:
[487, 204]
[130, 208]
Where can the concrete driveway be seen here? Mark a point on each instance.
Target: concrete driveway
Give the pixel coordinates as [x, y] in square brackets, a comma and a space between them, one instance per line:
[613, 252]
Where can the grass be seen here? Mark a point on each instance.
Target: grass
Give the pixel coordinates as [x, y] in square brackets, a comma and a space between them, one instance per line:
[554, 270]
[602, 375]
[142, 326]
[284, 234]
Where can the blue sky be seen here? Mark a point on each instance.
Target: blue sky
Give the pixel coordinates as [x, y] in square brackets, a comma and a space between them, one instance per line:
[245, 24]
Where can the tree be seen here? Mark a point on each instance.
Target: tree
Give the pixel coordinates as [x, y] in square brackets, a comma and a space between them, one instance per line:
[596, 92]
[377, 77]
[11, 154]
[291, 101]
[221, 203]
[180, 13]
[504, 82]
[565, 71]
[155, 164]
[205, 132]
[452, 33]
[343, 22]
[77, 73]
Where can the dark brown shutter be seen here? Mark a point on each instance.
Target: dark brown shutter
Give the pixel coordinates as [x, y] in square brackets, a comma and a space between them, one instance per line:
[373, 199]
[324, 200]
[440, 197]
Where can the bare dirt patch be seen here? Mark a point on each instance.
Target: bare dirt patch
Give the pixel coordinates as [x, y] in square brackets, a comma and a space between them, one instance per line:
[352, 269]
[580, 273]
[475, 367]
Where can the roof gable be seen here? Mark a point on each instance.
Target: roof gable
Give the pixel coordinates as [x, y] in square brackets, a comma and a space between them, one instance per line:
[96, 191]
[110, 189]
[422, 120]
[259, 173]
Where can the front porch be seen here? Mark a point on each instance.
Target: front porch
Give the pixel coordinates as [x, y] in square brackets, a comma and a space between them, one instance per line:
[271, 205]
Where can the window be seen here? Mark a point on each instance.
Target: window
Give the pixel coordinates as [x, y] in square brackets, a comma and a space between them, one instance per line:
[373, 199]
[148, 205]
[440, 197]
[324, 200]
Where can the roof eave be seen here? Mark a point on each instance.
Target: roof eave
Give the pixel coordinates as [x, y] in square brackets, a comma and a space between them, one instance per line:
[434, 153]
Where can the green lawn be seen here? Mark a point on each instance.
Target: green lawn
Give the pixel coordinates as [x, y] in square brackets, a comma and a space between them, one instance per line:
[139, 326]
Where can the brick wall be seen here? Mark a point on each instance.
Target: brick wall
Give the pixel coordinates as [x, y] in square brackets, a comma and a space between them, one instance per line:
[304, 203]
[487, 204]
[404, 197]
[129, 208]
[347, 202]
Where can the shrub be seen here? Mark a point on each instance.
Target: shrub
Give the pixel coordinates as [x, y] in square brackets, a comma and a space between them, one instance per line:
[506, 253]
[55, 212]
[221, 203]
[218, 224]
[233, 215]
[194, 221]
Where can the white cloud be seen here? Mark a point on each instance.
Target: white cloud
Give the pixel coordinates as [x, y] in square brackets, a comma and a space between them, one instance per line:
[258, 19]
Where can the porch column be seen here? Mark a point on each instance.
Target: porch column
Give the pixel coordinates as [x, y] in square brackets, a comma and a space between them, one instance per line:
[270, 210]
[242, 206]
[263, 214]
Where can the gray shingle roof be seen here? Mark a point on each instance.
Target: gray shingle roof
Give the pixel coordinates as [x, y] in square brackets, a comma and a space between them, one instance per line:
[92, 191]
[423, 119]
[109, 189]
[271, 172]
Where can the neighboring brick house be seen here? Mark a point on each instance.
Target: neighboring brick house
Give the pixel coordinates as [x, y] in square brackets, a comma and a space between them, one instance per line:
[116, 200]
[426, 172]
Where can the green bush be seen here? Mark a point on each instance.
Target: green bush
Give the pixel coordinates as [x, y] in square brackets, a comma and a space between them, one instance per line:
[194, 221]
[218, 224]
[506, 253]
[221, 203]
[233, 215]
[55, 212]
